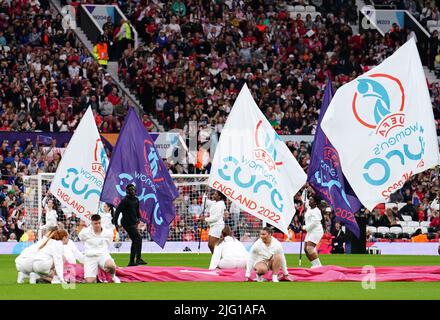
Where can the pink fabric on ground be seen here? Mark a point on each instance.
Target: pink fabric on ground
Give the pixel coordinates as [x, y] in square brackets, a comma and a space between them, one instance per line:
[77, 271]
[322, 274]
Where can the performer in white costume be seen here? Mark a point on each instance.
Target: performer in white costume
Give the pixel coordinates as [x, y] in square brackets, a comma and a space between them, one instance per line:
[266, 254]
[24, 261]
[229, 253]
[216, 209]
[96, 242]
[48, 260]
[315, 231]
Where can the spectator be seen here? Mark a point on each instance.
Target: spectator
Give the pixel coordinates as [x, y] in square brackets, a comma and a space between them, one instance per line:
[338, 239]
[100, 52]
[409, 210]
[435, 220]
[388, 219]
[12, 238]
[124, 37]
[418, 236]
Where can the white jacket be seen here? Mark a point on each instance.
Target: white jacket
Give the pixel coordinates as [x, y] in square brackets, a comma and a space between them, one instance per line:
[53, 250]
[313, 219]
[72, 254]
[96, 245]
[260, 251]
[106, 220]
[51, 218]
[216, 212]
[32, 249]
[435, 204]
[229, 248]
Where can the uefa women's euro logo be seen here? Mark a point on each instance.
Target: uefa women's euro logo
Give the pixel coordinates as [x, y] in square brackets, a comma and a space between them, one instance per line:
[379, 102]
[99, 164]
[266, 147]
[152, 165]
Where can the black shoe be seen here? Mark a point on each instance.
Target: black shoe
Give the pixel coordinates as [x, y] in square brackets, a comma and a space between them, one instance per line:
[132, 264]
[140, 261]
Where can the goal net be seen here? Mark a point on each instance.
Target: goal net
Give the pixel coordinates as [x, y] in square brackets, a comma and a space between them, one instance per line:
[185, 227]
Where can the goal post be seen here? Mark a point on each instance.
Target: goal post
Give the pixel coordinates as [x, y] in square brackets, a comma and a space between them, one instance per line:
[185, 227]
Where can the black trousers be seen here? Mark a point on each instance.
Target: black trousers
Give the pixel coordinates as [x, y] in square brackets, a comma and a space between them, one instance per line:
[136, 242]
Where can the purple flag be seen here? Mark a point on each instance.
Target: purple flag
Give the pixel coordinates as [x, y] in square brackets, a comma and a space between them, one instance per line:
[136, 160]
[326, 177]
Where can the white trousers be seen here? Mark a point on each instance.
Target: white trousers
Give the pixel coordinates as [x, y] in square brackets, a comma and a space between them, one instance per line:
[24, 264]
[42, 266]
[91, 264]
[232, 264]
[314, 237]
[216, 230]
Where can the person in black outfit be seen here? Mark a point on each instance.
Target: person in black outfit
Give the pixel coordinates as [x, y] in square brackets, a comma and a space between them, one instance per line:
[338, 239]
[129, 207]
[409, 210]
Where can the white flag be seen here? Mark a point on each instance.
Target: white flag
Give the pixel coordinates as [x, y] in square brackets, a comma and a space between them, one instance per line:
[383, 127]
[253, 167]
[80, 174]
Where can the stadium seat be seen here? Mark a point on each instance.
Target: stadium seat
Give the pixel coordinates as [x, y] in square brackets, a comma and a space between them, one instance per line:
[390, 205]
[383, 230]
[403, 223]
[290, 8]
[400, 205]
[406, 218]
[310, 9]
[405, 235]
[300, 8]
[431, 23]
[408, 230]
[396, 230]
[315, 14]
[424, 230]
[413, 224]
[372, 229]
[294, 13]
[378, 235]
[424, 224]
[432, 29]
[391, 236]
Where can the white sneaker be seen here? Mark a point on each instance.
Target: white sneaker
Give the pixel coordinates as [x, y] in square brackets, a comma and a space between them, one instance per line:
[275, 278]
[33, 277]
[116, 279]
[21, 276]
[287, 278]
[259, 278]
[55, 280]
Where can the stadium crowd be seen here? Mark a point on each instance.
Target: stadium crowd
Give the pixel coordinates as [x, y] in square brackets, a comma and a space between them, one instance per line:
[195, 57]
[47, 77]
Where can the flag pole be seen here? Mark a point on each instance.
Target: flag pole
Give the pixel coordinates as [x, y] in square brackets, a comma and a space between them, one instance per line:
[301, 224]
[300, 236]
[201, 222]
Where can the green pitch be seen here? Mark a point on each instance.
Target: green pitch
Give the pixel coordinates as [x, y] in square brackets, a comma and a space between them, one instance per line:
[216, 291]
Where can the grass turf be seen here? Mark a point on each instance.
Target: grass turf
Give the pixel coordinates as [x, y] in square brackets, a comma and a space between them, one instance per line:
[217, 291]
